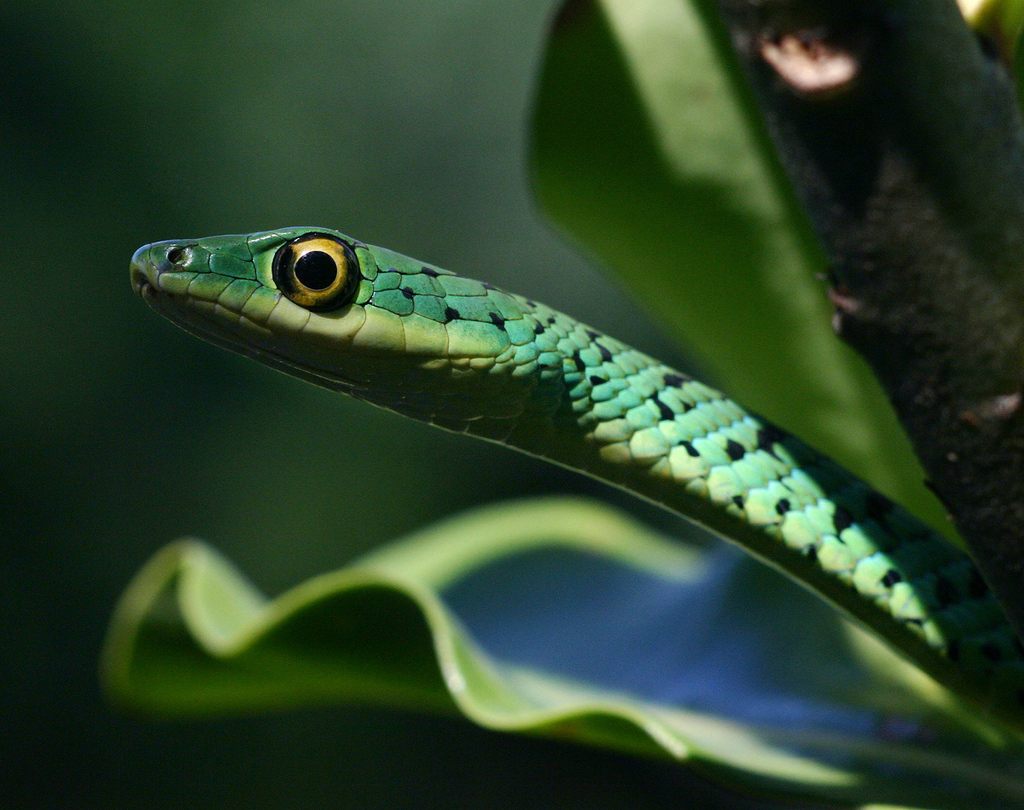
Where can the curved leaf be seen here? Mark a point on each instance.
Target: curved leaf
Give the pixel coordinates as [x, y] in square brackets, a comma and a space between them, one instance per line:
[647, 150]
[563, 618]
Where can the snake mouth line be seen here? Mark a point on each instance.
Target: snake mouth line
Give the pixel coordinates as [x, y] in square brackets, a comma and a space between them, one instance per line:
[211, 330]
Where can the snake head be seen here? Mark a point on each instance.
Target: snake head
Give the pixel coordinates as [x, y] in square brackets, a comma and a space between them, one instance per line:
[329, 309]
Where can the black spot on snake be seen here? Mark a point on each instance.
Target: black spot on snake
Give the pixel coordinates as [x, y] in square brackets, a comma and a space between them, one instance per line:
[595, 380]
[782, 506]
[592, 334]
[497, 320]
[580, 365]
[674, 380]
[768, 436]
[451, 314]
[892, 576]
[605, 354]
[408, 293]
[428, 272]
[738, 500]
[539, 328]
[842, 519]
[811, 552]
[690, 450]
[666, 411]
[734, 450]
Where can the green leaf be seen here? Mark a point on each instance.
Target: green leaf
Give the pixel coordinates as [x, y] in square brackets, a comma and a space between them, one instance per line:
[647, 150]
[563, 618]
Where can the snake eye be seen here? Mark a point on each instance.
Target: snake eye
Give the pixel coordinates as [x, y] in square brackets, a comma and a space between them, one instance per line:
[316, 271]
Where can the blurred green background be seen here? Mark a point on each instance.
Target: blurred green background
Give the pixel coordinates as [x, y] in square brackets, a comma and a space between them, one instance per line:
[403, 124]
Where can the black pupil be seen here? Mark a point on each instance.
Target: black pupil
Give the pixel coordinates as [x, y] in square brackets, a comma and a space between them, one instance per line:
[316, 270]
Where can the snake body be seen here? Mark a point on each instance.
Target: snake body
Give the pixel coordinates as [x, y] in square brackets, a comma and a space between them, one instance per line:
[468, 357]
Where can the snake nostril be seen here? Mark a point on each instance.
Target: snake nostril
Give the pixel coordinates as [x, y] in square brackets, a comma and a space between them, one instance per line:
[175, 255]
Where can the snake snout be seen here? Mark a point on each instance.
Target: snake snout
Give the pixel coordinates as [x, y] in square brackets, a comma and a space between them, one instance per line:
[152, 260]
[141, 271]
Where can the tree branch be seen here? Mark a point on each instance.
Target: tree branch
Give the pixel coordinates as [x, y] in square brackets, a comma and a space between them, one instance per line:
[902, 136]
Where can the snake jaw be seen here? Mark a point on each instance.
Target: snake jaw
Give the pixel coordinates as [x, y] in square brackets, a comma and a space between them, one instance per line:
[181, 309]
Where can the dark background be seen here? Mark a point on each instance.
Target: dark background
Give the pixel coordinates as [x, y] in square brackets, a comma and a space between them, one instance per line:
[403, 124]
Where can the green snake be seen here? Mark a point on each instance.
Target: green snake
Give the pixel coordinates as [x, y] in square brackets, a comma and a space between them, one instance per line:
[466, 356]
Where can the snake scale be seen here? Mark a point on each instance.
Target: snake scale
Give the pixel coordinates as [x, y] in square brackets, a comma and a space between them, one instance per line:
[466, 356]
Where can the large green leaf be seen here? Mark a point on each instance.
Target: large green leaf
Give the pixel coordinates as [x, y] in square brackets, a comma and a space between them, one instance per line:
[648, 152]
[563, 618]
